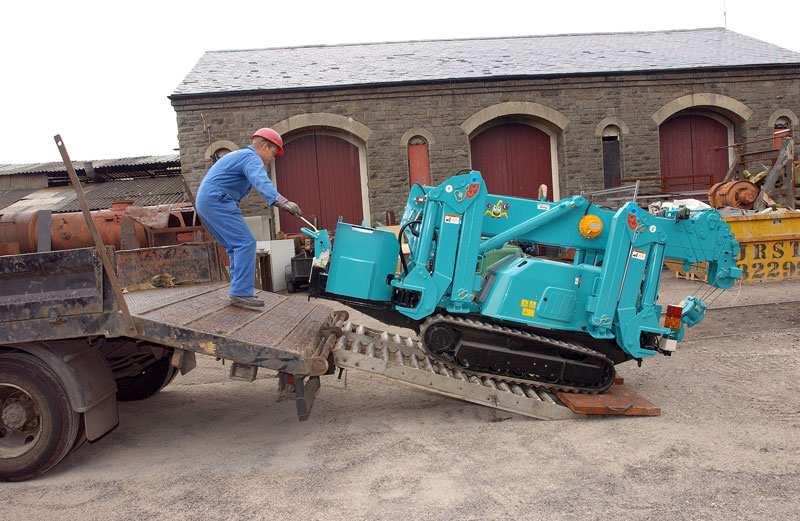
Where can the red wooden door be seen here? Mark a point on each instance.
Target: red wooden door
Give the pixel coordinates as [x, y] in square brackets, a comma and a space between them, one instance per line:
[691, 157]
[418, 164]
[320, 173]
[297, 179]
[514, 159]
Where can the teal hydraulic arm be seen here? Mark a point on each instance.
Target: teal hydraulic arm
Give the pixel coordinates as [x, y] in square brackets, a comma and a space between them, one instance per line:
[529, 225]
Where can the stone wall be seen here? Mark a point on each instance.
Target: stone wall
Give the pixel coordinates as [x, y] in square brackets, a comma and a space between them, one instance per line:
[441, 109]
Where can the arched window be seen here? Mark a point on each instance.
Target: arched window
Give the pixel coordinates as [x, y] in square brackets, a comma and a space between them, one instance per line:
[218, 153]
[219, 148]
[783, 123]
[612, 157]
[419, 169]
[783, 129]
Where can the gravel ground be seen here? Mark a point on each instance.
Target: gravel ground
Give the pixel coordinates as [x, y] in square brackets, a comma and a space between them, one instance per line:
[727, 445]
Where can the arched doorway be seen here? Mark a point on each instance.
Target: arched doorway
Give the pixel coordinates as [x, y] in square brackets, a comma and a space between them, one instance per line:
[321, 172]
[514, 158]
[693, 150]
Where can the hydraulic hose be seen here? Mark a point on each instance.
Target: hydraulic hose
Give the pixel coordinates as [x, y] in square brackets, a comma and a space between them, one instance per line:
[400, 241]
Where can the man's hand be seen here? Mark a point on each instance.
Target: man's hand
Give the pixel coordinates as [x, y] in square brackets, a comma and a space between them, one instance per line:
[291, 207]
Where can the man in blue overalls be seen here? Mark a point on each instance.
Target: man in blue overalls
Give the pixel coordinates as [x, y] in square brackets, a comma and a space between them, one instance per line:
[223, 187]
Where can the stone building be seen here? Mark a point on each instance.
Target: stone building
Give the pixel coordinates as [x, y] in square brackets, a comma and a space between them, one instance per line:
[574, 112]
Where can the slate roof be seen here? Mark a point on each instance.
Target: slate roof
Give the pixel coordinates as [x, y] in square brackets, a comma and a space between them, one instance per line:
[336, 66]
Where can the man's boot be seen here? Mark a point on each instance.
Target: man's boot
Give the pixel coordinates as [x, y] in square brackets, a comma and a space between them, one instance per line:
[253, 303]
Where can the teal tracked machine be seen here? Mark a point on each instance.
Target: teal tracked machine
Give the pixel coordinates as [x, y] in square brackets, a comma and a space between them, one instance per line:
[474, 285]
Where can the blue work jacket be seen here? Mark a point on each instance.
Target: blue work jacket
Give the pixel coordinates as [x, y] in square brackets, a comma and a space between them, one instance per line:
[236, 173]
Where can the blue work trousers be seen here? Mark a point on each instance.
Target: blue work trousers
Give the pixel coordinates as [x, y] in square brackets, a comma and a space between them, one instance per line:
[222, 217]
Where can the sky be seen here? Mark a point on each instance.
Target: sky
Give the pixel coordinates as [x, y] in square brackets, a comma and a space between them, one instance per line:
[99, 73]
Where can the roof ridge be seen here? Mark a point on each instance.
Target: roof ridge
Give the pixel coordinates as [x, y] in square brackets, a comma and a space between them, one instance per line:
[759, 40]
[52, 166]
[177, 154]
[481, 38]
[133, 157]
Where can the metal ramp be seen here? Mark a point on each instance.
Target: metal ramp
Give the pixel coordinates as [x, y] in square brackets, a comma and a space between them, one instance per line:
[401, 358]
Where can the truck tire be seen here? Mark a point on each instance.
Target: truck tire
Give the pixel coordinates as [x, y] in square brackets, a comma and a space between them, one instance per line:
[152, 379]
[80, 436]
[38, 427]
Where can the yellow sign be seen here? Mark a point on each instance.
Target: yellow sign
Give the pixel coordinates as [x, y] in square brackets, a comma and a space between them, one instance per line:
[528, 307]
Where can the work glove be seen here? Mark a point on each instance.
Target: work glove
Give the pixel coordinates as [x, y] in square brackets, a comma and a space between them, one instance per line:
[290, 206]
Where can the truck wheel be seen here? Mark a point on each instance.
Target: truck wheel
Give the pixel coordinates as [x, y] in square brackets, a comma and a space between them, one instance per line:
[152, 379]
[38, 427]
[80, 436]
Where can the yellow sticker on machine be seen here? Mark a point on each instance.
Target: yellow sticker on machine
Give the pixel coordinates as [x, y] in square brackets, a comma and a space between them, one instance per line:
[527, 307]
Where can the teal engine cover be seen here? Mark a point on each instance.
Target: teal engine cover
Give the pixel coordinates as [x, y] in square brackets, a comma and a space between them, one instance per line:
[361, 262]
[540, 292]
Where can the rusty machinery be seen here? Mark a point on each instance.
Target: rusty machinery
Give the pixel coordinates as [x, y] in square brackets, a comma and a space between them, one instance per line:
[758, 180]
[736, 194]
[122, 226]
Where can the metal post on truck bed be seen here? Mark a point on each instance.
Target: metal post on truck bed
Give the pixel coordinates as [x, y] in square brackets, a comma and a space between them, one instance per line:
[98, 240]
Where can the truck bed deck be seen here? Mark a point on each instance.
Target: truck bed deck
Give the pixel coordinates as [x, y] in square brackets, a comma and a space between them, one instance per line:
[283, 336]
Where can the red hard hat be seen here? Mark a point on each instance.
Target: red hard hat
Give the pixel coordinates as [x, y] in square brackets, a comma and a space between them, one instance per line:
[271, 136]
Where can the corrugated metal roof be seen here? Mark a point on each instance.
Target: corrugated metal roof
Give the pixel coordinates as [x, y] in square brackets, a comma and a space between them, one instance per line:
[441, 60]
[142, 191]
[43, 199]
[57, 167]
[9, 197]
[39, 168]
[168, 159]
